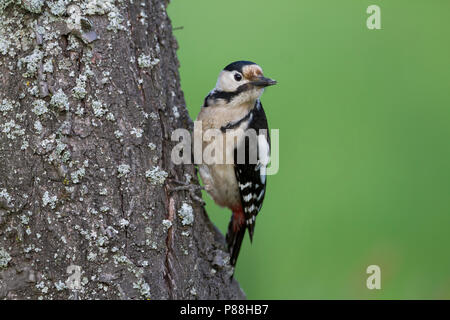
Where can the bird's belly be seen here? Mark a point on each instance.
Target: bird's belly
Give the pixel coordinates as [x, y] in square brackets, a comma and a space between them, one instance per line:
[220, 182]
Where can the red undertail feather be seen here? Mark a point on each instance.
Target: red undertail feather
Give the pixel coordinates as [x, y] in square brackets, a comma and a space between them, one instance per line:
[235, 234]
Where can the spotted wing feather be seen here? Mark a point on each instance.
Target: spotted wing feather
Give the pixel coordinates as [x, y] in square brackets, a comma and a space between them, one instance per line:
[251, 177]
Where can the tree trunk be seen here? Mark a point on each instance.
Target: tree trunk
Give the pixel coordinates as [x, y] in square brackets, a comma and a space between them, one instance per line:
[89, 97]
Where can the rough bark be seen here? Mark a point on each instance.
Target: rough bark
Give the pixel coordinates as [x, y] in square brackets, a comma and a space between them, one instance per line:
[89, 96]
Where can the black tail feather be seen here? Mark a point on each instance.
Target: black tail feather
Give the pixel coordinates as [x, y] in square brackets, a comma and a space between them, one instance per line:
[251, 230]
[234, 241]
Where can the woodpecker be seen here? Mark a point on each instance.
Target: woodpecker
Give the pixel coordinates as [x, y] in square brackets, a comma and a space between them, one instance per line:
[232, 108]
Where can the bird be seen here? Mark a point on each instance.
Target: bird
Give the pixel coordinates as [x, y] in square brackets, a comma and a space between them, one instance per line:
[233, 110]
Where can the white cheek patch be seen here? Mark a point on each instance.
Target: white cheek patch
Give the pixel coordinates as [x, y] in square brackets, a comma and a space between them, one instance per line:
[227, 83]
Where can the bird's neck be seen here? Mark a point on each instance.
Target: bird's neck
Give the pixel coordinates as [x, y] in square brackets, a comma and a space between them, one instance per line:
[219, 115]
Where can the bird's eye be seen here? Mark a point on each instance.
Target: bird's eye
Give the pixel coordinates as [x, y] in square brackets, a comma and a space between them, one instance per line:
[238, 77]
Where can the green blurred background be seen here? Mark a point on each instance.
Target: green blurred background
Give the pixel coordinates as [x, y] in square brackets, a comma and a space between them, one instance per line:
[364, 120]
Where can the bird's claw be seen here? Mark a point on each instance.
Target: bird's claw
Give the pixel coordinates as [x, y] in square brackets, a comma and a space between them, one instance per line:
[187, 186]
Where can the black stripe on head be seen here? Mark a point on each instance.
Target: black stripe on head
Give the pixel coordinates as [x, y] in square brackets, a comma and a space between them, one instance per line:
[238, 65]
[228, 96]
[205, 102]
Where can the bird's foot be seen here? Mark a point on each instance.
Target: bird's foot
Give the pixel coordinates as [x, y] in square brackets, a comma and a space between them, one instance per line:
[188, 186]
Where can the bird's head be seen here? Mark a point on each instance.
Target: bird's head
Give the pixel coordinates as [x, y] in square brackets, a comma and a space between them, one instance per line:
[240, 82]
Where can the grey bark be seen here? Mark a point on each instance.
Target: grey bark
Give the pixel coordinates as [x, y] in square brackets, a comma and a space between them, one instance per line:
[89, 97]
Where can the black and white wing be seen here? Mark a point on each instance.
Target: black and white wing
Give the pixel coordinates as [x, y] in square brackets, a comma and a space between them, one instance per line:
[251, 178]
[251, 175]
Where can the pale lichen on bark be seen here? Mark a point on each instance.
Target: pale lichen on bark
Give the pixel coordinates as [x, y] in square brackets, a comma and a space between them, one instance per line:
[89, 96]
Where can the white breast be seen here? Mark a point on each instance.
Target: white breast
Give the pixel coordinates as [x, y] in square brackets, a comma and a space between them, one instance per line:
[220, 182]
[219, 177]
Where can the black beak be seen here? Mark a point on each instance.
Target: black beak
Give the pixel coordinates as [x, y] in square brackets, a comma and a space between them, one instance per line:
[263, 82]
